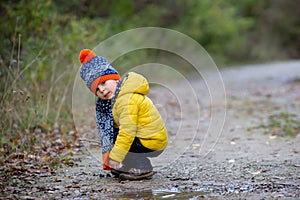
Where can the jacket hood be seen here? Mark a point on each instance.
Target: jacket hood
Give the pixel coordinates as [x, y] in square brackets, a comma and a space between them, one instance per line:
[134, 83]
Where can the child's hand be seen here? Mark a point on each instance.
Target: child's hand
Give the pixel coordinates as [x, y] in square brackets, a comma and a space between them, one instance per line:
[113, 164]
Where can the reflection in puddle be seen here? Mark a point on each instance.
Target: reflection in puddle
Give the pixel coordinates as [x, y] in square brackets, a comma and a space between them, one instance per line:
[173, 193]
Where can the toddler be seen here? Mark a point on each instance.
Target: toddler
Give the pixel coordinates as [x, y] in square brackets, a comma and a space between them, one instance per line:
[129, 125]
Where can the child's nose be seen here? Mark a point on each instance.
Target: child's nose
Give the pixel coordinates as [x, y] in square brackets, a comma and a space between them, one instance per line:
[101, 88]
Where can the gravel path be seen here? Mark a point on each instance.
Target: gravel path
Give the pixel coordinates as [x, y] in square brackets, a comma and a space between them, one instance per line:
[242, 162]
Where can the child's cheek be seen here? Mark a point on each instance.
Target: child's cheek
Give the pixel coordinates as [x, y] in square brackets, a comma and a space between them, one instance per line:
[98, 94]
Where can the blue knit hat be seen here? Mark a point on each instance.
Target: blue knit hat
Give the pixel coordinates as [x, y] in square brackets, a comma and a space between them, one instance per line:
[95, 69]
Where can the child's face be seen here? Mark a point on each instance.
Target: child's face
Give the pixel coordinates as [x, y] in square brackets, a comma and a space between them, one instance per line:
[106, 90]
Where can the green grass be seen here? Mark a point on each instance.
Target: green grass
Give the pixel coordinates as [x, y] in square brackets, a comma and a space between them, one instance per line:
[281, 124]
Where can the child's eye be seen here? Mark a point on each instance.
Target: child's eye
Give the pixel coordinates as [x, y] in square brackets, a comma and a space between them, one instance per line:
[103, 83]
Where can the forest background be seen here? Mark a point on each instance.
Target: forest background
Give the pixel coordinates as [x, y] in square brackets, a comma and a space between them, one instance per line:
[40, 42]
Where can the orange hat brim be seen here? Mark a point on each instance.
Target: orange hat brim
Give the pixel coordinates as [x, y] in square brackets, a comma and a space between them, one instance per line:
[101, 79]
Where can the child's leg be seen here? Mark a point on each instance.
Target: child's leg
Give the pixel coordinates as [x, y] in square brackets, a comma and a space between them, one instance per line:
[137, 156]
[137, 159]
[134, 161]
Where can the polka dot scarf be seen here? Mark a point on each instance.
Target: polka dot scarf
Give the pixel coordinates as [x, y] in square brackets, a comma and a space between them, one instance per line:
[104, 120]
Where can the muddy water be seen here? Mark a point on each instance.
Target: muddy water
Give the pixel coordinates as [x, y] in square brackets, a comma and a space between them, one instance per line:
[173, 193]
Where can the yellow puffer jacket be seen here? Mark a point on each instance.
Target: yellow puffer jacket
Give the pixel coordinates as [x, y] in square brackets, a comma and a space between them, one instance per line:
[136, 116]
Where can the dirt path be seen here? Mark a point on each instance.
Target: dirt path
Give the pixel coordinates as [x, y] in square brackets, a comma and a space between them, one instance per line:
[242, 162]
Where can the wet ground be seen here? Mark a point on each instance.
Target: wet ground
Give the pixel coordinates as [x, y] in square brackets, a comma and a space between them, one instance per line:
[242, 162]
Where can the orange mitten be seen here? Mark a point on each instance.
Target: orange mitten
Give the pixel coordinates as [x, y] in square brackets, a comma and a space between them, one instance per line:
[105, 161]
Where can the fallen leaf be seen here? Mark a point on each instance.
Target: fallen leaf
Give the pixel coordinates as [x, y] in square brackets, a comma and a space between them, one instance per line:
[272, 137]
[196, 146]
[56, 180]
[256, 172]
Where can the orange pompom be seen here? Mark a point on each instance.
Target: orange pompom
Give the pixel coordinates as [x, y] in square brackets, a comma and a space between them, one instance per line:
[86, 55]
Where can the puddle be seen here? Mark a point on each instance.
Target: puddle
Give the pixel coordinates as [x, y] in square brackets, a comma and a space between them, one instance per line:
[161, 194]
[212, 190]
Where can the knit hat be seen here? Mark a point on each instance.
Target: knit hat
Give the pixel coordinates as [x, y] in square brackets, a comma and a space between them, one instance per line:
[95, 69]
